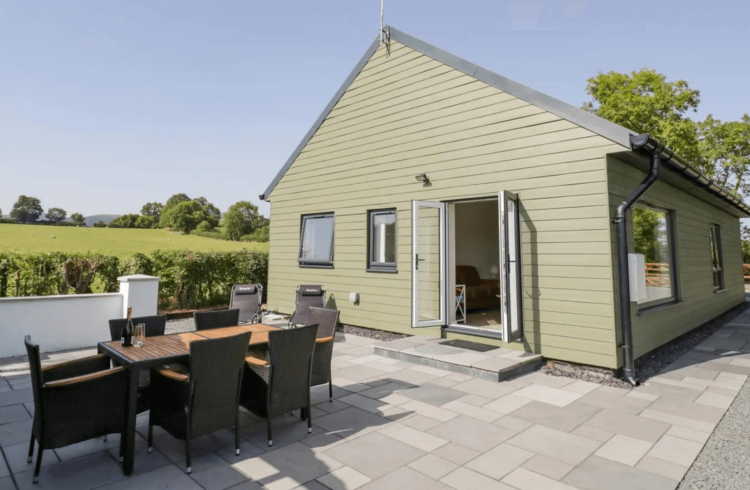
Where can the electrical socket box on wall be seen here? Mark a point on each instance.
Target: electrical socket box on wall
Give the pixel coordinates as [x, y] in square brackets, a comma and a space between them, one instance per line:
[354, 297]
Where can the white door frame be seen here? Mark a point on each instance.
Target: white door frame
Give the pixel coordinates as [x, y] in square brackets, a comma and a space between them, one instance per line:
[511, 272]
[441, 207]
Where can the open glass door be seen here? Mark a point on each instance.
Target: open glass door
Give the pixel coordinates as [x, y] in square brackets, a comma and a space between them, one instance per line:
[510, 268]
[428, 264]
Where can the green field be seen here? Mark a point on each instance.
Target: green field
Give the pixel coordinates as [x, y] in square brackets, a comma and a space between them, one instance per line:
[111, 241]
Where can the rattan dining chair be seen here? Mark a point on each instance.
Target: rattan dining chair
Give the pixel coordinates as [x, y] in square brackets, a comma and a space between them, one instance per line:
[202, 398]
[155, 326]
[306, 297]
[327, 320]
[247, 299]
[206, 320]
[74, 401]
[281, 383]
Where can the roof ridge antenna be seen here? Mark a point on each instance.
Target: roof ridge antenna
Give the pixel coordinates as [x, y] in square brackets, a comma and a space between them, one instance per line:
[384, 35]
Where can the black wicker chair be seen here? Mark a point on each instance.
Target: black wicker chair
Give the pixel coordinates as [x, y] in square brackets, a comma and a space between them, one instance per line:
[327, 320]
[206, 320]
[155, 326]
[75, 401]
[247, 298]
[306, 297]
[281, 383]
[203, 398]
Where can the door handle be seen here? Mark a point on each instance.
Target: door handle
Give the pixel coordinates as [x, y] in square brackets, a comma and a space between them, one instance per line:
[417, 260]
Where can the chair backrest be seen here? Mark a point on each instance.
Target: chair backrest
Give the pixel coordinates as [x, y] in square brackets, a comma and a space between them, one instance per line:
[306, 297]
[247, 299]
[35, 365]
[206, 320]
[289, 353]
[155, 325]
[216, 367]
[327, 320]
[467, 274]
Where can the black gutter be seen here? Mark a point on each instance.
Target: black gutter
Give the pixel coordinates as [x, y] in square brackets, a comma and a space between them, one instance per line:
[645, 143]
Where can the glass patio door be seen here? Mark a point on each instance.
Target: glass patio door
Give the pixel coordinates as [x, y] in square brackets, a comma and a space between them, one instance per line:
[510, 260]
[428, 263]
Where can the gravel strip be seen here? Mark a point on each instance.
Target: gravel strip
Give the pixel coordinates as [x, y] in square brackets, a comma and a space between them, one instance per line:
[651, 363]
[179, 326]
[724, 462]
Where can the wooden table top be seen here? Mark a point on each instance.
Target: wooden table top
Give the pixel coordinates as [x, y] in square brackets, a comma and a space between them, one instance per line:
[165, 346]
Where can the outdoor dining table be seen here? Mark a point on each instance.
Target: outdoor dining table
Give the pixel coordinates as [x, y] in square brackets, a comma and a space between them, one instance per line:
[166, 349]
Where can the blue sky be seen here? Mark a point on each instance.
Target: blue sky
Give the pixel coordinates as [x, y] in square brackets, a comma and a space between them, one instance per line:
[108, 104]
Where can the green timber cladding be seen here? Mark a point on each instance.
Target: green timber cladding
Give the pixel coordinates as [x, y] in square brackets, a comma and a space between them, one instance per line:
[403, 112]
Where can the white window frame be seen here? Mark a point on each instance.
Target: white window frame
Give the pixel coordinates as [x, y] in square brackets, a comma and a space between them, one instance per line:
[372, 265]
[717, 272]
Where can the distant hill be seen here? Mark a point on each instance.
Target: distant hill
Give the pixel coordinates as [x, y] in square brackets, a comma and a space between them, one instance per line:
[90, 220]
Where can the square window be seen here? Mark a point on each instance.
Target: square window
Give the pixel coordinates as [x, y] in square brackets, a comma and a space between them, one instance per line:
[382, 243]
[653, 238]
[316, 240]
[717, 261]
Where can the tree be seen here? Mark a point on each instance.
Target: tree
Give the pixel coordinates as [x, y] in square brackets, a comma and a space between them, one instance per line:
[241, 219]
[78, 219]
[56, 214]
[204, 227]
[153, 209]
[645, 102]
[170, 204]
[124, 221]
[726, 148]
[100, 224]
[145, 222]
[26, 209]
[185, 216]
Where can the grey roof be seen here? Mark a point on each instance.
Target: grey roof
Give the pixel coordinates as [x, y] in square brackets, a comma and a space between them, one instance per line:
[584, 119]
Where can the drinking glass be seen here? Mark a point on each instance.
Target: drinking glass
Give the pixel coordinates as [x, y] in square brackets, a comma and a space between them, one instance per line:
[139, 335]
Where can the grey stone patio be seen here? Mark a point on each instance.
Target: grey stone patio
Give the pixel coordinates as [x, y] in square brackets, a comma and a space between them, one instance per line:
[398, 424]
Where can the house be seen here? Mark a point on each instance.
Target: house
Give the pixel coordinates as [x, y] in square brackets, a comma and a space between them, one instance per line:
[457, 202]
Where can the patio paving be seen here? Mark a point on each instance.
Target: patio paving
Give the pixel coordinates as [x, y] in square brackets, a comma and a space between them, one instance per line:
[401, 424]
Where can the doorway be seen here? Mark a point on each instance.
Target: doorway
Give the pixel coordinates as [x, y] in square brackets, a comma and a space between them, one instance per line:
[466, 266]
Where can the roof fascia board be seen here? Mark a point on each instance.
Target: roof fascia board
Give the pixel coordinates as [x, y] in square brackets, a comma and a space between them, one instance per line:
[339, 93]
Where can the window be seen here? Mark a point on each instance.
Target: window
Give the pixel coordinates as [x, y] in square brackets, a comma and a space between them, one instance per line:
[382, 245]
[653, 240]
[717, 261]
[316, 240]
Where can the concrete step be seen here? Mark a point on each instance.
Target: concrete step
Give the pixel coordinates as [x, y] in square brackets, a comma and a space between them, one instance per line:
[494, 365]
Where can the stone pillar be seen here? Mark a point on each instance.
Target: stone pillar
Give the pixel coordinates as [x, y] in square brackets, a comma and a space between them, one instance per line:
[141, 292]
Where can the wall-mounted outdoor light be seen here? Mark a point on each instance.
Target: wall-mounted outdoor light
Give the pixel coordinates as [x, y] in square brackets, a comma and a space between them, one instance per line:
[422, 178]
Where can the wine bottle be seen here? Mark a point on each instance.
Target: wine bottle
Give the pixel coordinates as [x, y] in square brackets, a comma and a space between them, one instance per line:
[126, 335]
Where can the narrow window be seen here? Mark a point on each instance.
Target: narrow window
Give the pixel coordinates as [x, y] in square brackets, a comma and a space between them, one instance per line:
[717, 261]
[654, 241]
[382, 244]
[316, 240]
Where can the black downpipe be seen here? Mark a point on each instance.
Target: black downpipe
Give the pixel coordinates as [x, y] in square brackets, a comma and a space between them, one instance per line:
[640, 142]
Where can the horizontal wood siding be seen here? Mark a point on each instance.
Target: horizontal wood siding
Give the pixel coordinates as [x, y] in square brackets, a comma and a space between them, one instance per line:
[698, 302]
[407, 114]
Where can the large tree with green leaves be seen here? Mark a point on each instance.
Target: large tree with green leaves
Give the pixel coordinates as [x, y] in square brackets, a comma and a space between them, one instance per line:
[78, 219]
[26, 209]
[153, 209]
[56, 214]
[726, 148]
[169, 205]
[241, 219]
[185, 216]
[646, 102]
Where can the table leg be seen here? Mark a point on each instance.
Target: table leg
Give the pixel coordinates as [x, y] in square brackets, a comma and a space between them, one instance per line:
[132, 413]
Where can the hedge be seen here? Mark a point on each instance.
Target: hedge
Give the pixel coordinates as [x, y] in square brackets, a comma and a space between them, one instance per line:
[188, 279]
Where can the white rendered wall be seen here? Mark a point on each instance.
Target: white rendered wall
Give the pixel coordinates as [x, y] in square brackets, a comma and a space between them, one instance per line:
[71, 321]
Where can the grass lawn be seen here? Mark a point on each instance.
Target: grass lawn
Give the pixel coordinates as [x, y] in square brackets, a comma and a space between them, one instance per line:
[111, 241]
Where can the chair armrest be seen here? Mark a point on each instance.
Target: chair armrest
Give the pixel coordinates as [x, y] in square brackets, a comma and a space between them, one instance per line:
[75, 368]
[82, 379]
[323, 340]
[170, 373]
[256, 361]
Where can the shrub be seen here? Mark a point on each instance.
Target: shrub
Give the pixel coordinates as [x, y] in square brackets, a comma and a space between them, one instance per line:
[204, 226]
[124, 221]
[188, 279]
[261, 234]
[100, 224]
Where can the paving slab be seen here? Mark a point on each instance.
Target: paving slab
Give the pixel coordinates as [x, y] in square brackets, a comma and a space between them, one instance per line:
[433, 466]
[624, 449]
[629, 425]
[214, 473]
[466, 479]
[375, 455]
[499, 461]
[548, 467]
[472, 433]
[344, 478]
[405, 478]
[568, 448]
[552, 416]
[598, 473]
[524, 479]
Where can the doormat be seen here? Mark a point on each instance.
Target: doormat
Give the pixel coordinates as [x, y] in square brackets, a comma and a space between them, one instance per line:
[466, 344]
